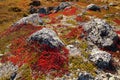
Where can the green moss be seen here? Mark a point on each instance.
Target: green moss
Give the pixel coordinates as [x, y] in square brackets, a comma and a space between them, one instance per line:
[71, 22]
[79, 63]
[7, 39]
[25, 72]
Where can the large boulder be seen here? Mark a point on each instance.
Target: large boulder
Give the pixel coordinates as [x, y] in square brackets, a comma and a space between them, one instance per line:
[100, 33]
[85, 76]
[34, 19]
[48, 37]
[101, 58]
[93, 7]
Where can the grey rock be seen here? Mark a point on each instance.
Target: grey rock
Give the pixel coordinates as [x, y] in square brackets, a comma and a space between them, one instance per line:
[74, 51]
[7, 70]
[106, 7]
[113, 4]
[93, 7]
[31, 19]
[85, 76]
[12, 77]
[64, 5]
[100, 33]
[46, 36]
[100, 58]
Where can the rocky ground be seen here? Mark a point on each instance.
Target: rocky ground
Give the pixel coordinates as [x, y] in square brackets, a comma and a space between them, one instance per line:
[81, 41]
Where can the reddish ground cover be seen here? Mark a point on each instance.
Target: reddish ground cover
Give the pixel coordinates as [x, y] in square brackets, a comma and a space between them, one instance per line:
[70, 11]
[41, 58]
[75, 32]
[117, 21]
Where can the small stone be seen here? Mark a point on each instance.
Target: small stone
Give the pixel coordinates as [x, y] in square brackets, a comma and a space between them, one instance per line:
[85, 76]
[111, 78]
[1, 55]
[74, 51]
[93, 7]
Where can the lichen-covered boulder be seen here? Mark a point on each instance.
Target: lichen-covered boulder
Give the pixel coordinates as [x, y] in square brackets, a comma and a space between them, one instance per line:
[101, 33]
[48, 37]
[100, 58]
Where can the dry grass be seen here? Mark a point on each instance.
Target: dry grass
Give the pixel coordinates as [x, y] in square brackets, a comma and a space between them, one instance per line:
[8, 17]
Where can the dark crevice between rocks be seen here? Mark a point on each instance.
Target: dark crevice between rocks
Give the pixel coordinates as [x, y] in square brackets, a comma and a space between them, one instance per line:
[107, 67]
[114, 47]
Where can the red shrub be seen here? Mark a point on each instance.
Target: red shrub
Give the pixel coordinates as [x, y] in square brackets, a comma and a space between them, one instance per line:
[75, 32]
[51, 61]
[24, 27]
[70, 11]
[53, 20]
[39, 57]
[118, 32]
[80, 19]
[117, 21]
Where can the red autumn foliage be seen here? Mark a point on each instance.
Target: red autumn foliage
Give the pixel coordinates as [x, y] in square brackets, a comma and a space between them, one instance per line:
[117, 21]
[75, 32]
[24, 27]
[118, 32]
[41, 58]
[79, 18]
[53, 20]
[51, 60]
[70, 11]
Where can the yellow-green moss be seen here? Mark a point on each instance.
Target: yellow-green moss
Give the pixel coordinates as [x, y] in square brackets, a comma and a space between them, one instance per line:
[79, 63]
